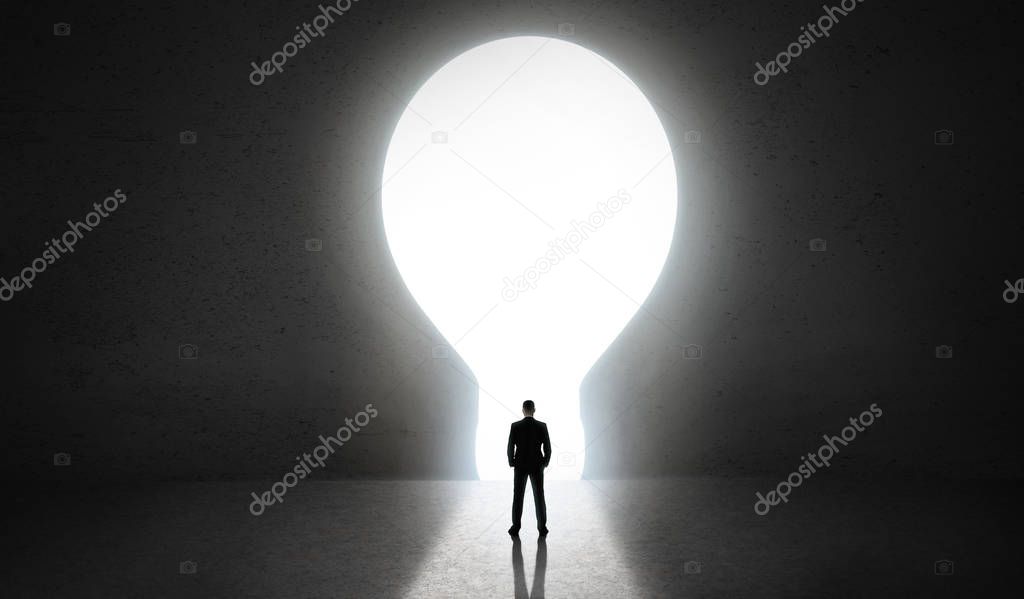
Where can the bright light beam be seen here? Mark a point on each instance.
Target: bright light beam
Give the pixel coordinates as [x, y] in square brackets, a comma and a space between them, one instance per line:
[529, 220]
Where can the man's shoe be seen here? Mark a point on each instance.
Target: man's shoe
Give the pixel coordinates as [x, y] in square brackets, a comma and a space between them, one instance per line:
[514, 533]
[544, 532]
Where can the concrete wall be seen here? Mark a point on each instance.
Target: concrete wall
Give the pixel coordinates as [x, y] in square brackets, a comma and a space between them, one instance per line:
[209, 249]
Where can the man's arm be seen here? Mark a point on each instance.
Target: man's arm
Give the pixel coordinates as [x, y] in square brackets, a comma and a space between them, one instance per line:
[511, 448]
[545, 444]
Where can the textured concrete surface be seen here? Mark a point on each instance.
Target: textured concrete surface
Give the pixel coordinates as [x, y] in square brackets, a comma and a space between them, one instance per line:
[609, 539]
[209, 248]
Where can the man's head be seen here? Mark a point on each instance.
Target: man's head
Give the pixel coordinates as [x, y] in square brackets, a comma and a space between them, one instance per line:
[529, 408]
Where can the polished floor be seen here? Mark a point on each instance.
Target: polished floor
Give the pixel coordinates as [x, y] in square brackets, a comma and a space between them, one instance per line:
[693, 537]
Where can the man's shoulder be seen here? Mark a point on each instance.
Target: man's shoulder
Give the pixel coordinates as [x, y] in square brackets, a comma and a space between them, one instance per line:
[529, 422]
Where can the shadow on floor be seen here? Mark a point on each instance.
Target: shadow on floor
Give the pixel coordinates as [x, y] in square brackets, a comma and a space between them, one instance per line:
[539, 570]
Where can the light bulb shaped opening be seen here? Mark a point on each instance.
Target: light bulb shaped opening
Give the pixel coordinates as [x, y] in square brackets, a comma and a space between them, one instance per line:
[529, 203]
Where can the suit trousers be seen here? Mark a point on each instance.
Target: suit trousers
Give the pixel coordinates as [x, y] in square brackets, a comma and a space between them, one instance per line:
[536, 476]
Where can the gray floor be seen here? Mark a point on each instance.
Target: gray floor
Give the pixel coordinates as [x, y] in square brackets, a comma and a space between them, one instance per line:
[835, 538]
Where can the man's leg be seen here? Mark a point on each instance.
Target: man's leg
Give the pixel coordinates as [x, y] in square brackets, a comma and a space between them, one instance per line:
[518, 492]
[537, 482]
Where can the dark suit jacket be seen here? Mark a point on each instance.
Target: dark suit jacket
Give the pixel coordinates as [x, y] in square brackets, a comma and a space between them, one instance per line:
[525, 441]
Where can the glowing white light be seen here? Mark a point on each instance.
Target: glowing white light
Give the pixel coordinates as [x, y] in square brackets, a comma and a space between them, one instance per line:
[529, 157]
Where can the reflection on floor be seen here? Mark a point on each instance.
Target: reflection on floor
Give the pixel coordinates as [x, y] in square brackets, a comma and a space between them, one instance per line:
[475, 557]
[694, 537]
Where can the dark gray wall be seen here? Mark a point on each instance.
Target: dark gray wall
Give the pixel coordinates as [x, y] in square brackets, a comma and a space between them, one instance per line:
[209, 247]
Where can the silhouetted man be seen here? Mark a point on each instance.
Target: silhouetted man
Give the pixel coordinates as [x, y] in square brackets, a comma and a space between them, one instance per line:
[529, 452]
